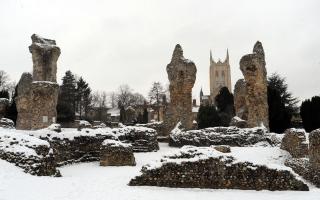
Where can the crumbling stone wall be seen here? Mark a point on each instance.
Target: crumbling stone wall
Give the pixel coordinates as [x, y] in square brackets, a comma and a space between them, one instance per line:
[240, 102]
[38, 94]
[314, 150]
[232, 136]
[44, 97]
[116, 153]
[31, 154]
[219, 172]
[294, 141]
[182, 76]
[309, 167]
[23, 102]
[158, 126]
[256, 99]
[84, 146]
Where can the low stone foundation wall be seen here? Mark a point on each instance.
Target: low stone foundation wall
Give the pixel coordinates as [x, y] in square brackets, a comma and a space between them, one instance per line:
[142, 139]
[31, 154]
[158, 126]
[72, 146]
[116, 153]
[294, 141]
[231, 136]
[203, 167]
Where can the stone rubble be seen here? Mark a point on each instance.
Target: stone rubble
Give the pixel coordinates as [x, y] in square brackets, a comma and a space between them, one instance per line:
[31, 154]
[294, 141]
[203, 167]
[232, 136]
[116, 153]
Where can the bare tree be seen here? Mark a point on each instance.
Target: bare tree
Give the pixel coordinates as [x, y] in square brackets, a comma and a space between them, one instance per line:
[156, 95]
[99, 99]
[138, 99]
[124, 96]
[113, 99]
[4, 80]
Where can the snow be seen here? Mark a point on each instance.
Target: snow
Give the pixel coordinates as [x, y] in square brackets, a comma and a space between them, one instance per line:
[4, 100]
[90, 181]
[84, 123]
[45, 82]
[19, 143]
[69, 133]
[115, 143]
[238, 119]
[114, 112]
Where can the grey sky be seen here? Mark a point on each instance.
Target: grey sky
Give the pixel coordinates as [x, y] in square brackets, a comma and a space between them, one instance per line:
[111, 43]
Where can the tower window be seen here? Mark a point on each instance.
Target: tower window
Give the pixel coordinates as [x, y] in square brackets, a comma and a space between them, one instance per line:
[217, 74]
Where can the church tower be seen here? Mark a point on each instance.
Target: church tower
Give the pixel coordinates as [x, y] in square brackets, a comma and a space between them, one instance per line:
[220, 75]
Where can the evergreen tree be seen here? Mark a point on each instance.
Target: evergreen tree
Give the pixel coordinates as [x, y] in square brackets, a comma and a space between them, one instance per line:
[83, 97]
[66, 100]
[145, 116]
[310, 113]
[4, 94]
[208, 117]
[282, 105]
[279, 117]
[225, 105]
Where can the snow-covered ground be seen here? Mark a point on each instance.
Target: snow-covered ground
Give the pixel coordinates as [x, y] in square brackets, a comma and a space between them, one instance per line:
[89, 181]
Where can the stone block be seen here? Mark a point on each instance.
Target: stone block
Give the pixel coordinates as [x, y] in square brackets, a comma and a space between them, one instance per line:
[116, 153]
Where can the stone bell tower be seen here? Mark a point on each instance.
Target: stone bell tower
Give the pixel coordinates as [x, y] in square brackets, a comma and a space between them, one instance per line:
[220, 75]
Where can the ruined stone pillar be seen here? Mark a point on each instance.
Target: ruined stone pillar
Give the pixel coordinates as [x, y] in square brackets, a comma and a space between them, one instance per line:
[23, 102]
[45, 54]
[38, 94]
[240, 102]
[44, 97]
[255, 75]
[182, 76]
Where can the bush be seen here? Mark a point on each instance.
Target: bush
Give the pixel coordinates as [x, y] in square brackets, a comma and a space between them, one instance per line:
[310, 113]
[208, 117]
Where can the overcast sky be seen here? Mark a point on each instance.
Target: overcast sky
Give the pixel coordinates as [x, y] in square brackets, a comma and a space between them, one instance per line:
[117, 42]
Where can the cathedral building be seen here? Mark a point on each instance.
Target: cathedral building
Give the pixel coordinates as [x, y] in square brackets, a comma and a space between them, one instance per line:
[220, 76]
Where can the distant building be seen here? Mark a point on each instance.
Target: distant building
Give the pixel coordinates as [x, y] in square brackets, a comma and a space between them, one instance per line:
[220, 76]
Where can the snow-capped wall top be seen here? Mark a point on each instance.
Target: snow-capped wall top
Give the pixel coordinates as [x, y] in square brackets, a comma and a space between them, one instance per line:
[115, 143]
[41, 40]
[18, 142]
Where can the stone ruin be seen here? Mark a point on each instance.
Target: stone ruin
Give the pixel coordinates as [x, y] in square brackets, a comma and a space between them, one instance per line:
[251, 100]
[305, 161]
[204, 167]
[182, 76]
[240, 102]
[294, 141]
[38, 93]
[116, 153]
